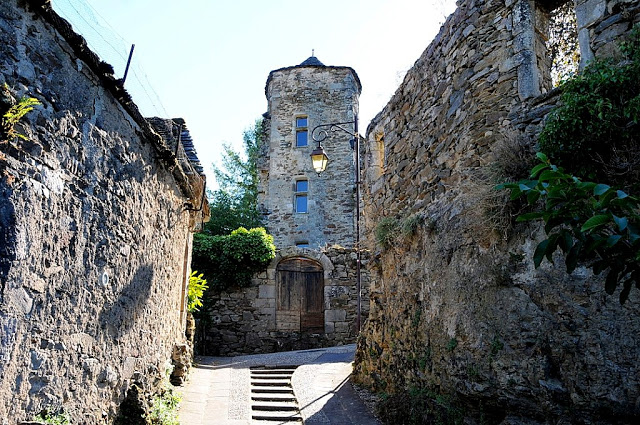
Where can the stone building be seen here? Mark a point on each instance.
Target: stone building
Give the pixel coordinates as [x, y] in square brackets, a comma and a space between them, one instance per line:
[457, 307]
[97, 210]
[308, 296]
[301, 207]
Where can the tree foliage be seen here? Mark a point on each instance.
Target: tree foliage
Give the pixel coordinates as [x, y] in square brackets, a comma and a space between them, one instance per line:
[563, 46]
[589, 222]
[235, 203]
[595, 133]
[231, 260]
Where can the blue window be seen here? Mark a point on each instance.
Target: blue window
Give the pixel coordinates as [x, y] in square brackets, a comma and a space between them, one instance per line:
[301, 204]
[302, 131]
[302, 187]
[302, 138]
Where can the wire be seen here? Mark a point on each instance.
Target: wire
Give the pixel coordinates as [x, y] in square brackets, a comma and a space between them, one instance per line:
[111, 47]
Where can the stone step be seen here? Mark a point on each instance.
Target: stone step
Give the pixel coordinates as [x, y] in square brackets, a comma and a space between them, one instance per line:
[263, 377]
[274, 367]
[288, 396]
[272, 383]
[272, 390]
[272, 370]
[276, 416]
[275, 406]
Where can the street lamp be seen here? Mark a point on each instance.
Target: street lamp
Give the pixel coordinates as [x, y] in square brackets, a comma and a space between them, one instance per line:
[320, 160]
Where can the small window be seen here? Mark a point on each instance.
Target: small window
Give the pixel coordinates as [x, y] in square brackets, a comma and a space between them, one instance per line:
[302, 132]
[302, 138]
[302, 187]
[303, 244]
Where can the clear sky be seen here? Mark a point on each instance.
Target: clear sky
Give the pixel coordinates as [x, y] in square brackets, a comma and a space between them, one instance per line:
[207, 61]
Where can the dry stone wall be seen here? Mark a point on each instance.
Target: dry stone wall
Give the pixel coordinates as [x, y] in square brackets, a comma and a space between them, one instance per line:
[456, 304]
[94, 233]
[244, 321]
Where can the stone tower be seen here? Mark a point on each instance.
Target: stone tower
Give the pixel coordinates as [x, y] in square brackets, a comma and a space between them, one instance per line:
[301, 207]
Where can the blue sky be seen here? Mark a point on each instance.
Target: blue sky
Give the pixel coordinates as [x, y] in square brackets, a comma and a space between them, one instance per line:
[207, 61]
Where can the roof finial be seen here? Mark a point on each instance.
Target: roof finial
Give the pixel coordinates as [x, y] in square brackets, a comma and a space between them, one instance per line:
[313, 53]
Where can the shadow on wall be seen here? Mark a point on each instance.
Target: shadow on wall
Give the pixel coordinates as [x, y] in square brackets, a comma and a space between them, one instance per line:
[7, 233]
[119, 317]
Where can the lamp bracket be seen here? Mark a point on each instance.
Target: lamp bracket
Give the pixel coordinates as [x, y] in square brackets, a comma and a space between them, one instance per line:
[321, 132]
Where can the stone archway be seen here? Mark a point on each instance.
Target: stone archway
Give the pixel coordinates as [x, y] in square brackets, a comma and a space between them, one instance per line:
[300, 295]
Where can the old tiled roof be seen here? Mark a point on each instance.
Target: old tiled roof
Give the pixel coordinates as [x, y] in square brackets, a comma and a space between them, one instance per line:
[168, 129]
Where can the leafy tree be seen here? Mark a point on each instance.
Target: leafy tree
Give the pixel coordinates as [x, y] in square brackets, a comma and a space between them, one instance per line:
[589, 222]
[235, 203]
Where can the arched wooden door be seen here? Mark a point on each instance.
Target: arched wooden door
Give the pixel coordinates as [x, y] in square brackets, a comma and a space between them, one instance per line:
[300, 295]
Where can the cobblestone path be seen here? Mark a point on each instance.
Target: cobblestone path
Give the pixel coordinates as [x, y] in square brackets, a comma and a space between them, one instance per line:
[295, 387]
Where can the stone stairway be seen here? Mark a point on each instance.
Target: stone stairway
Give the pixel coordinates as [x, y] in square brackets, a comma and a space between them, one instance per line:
[272, 397]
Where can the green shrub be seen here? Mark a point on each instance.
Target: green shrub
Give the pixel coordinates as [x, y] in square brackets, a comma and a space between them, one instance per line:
[197, 286]
[595, 132]
[59, 417]
[419, 406]
[386, 231]
[589, 222]
[13, 114]
[164, 409]
[231, 260]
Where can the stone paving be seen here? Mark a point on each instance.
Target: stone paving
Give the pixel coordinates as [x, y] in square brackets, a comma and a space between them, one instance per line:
[219, 389]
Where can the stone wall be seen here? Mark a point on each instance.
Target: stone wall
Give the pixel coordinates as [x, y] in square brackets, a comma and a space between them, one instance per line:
[323, 94]
[95, 231]
[456, 304]
[244, 321]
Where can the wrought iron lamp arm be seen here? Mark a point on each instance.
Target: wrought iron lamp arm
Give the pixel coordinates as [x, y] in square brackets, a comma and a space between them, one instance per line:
[321, 132]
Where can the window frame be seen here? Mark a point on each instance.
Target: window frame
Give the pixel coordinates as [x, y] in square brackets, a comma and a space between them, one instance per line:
[299, 194]
[302, 129]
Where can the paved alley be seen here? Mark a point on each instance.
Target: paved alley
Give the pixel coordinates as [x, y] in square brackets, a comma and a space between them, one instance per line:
[295, 387]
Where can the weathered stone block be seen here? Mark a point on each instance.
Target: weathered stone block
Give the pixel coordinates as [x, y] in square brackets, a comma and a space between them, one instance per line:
[267, 291]
[335, 315]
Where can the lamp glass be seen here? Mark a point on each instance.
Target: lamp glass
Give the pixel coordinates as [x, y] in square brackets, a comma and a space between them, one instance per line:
[319, 159]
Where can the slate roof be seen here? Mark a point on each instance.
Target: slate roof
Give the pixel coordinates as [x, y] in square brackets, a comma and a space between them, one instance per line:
[311, 61]
[168, 129]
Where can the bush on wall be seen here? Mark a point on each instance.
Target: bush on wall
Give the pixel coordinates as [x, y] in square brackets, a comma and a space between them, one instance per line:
[595, 133]
[589, 165]
[231, 260]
